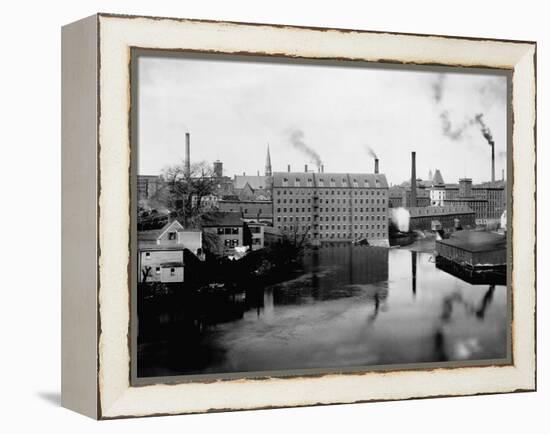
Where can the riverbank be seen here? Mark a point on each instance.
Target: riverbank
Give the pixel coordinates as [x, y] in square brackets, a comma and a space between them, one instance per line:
[346, 306]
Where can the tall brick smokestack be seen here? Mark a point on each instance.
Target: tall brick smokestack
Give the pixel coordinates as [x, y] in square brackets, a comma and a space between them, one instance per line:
[413, 179]
[187, 155]
[376, 165]
[486, 132]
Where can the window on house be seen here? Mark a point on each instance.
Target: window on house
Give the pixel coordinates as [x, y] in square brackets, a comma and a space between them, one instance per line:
[157, 270]
[172, 271]
[171, 235]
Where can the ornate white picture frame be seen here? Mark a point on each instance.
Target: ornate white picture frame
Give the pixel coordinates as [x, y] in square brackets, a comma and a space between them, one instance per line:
[97, 208]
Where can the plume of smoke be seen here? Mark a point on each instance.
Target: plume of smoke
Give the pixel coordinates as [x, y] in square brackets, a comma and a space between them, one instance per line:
[297, 140]
[370, 151]
[485, 131]
[453, 132]
[437, 87]
[401, 218]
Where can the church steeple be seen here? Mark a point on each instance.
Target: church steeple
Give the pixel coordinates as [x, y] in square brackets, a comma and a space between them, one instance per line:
[268, 163]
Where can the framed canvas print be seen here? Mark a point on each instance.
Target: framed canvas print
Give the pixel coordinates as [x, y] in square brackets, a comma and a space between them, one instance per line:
[263, 216]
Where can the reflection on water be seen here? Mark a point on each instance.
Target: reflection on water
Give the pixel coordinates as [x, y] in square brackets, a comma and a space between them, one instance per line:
[349, 306]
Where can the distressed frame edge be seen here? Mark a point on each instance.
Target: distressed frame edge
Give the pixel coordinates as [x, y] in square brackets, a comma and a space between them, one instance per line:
[530, 51]
[80, 181]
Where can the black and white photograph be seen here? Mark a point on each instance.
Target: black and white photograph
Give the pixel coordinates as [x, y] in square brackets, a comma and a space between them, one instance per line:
[310, 216]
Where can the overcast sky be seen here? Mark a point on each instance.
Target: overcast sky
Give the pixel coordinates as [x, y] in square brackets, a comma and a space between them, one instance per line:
[233, 109]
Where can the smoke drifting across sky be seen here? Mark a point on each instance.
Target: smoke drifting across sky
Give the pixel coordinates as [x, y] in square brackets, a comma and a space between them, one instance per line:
[296, 137]
[370, 151]
[488, 93]
[232, 109]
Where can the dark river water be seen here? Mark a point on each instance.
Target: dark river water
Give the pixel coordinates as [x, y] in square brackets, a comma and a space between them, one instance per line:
[350, 307]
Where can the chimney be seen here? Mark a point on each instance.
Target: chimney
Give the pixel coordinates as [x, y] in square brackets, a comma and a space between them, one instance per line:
[413, 179]
[218, 169]
[288, 167]
[492, 161]
[305, 168]
[322, 168]
[503, 174]
[187, 155]
[376, 165]
[465, 187]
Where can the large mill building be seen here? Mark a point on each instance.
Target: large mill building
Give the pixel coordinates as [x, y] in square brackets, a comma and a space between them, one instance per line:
[332, 207]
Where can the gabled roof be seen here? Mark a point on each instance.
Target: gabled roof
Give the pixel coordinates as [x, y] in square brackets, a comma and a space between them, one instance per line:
[438, 179]
[155, 234]
[255, 182]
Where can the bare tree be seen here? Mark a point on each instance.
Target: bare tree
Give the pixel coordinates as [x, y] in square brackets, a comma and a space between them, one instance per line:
[297, 235]
[184, 192]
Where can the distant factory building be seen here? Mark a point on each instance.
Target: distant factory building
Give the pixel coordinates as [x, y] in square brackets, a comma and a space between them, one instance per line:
[441, 217]
[400, 196]
[495, 195]
[466, 197]
[487, 199]
[395, 196]
[327, 207]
